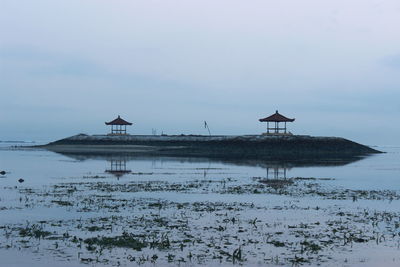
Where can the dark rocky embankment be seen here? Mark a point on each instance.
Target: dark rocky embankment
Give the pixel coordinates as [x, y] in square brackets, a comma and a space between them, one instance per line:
[247, 146]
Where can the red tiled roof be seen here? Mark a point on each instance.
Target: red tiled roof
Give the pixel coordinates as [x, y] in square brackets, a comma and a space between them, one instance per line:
[118, 121]
[276, 117]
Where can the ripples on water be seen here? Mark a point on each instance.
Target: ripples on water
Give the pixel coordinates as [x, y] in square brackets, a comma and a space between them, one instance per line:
[122, 209]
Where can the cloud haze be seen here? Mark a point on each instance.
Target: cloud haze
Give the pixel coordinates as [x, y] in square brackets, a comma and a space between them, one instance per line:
[68, 66]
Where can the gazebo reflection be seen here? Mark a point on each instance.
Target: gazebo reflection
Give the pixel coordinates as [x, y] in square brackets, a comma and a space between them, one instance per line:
[118, 167]
[277, 172]
[276, 177]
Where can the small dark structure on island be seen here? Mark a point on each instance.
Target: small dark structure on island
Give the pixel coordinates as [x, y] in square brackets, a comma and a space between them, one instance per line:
[118, 126]
[118, 168]
[276, 119]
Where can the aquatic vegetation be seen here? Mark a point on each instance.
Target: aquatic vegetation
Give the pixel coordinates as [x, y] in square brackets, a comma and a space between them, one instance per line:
[125, 240]
[177, 216]
[62, 203]
[34, 230]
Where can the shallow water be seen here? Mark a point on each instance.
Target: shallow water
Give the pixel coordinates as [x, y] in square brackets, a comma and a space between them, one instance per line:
[197, 211]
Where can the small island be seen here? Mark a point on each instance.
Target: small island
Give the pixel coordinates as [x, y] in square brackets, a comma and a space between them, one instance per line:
[276, 143]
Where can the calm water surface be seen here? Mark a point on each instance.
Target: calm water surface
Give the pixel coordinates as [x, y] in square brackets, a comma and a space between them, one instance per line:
[191, 212]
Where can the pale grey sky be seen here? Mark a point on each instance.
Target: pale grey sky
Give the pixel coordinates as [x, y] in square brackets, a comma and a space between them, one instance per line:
[67, 66]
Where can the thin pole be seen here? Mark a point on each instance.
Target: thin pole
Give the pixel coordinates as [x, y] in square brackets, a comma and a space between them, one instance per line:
[208, 128]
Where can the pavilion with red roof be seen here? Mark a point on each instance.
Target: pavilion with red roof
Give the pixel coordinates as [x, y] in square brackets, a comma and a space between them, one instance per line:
[276, 119]
[118, 126]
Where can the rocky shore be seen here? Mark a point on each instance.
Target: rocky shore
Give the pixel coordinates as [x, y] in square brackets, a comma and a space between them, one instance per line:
[244, 146]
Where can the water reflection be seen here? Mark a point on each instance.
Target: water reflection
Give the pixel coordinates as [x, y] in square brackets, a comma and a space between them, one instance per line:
[276, 168]
[256, 205]
[118, 167]
[277, 172]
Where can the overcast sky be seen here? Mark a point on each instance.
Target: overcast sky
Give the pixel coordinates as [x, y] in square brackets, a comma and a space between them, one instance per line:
[67, 66]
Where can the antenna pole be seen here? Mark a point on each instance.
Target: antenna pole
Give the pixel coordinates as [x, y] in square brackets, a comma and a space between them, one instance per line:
[206, 126]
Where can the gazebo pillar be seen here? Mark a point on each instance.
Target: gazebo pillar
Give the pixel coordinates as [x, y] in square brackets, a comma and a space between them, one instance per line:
[118, 129]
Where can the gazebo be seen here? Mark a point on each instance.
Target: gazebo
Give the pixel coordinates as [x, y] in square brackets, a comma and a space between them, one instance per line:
[276, 119]
[118, 126]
